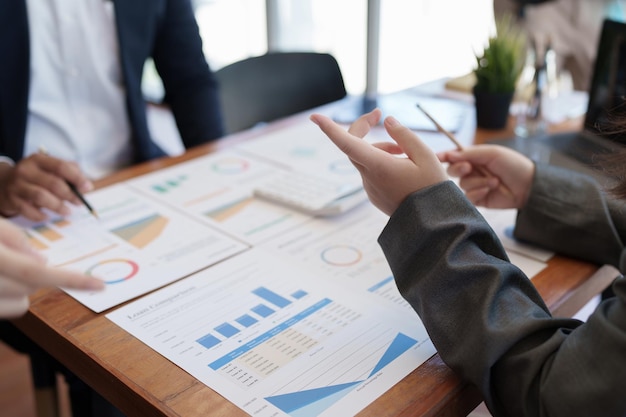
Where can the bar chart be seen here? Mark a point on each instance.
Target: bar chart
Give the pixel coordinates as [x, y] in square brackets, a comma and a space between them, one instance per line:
[278, 343]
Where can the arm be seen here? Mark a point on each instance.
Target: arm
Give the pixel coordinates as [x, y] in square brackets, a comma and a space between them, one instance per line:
[488, 322]
[190, 86]
[569, 213]
[561, 210]
[483, 315]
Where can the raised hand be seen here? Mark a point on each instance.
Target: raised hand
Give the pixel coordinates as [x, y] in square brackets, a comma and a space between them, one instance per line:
[387, 178]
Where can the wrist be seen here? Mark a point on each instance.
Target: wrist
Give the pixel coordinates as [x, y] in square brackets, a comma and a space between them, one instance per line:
[6, 167]
[529, 181]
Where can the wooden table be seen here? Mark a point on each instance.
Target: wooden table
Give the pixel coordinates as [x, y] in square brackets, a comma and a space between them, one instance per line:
[143, 383]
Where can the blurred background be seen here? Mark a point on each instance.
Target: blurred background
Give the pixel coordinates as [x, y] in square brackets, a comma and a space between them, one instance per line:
[418, 42]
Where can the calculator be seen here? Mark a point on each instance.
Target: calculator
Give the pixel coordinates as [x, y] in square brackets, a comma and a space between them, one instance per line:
[310, 194]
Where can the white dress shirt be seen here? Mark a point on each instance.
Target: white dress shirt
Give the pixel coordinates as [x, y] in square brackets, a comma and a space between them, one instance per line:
[77, 108]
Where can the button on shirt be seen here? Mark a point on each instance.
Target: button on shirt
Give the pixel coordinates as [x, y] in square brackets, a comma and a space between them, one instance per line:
[77, 102]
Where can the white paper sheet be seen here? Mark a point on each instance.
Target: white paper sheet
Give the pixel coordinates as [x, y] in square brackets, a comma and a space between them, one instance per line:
[503, 222]
[309, 323]
[300, 318]
[529, 266]
[137, 245]
[345, 250]
[303, 147]
[218, 190]
[277, 340]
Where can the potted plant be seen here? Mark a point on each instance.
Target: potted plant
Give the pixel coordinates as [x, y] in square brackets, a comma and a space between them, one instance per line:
[497, 70]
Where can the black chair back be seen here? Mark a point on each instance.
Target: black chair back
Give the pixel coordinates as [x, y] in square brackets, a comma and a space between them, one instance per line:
[275, 85]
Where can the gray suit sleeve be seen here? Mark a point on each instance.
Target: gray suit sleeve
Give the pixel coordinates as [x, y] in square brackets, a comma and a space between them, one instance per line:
[490, 325]
[568, 213]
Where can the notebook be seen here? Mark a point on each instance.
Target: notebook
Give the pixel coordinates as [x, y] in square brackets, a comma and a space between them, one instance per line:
[578, 150]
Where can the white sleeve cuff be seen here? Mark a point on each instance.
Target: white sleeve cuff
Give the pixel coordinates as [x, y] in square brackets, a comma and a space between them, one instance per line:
[6, 160]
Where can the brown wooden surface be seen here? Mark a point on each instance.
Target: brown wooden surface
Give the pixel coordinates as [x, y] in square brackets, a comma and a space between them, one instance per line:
[143, 383]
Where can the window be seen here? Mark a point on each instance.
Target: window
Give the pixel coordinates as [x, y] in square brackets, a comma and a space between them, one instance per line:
[231, 30]
[420, 40]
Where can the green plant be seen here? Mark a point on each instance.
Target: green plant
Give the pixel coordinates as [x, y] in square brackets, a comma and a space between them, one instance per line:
[502, 60]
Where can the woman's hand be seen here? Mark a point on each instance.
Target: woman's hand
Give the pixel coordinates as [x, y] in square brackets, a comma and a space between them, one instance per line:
[23, 271]
[510, 180]
[387, 178]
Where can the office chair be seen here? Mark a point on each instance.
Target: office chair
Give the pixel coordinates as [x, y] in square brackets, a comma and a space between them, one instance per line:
[271, 86]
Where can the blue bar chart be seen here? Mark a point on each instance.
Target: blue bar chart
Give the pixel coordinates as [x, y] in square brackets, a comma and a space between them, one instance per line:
[267, 340]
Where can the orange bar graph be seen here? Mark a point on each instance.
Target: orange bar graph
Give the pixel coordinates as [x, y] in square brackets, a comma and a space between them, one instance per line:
[50, 234]
[61, 222]
[36, 243]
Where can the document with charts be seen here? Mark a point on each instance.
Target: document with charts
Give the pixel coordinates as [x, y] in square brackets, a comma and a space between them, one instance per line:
[304, 148]
[344, 249]
[136, 246]
[218, 190]
[278, 339]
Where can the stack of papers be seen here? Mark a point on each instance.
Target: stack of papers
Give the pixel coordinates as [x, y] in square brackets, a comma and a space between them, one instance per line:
[282, 313]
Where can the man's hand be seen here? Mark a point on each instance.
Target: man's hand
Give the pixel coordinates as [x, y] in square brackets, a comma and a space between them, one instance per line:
[39, 182]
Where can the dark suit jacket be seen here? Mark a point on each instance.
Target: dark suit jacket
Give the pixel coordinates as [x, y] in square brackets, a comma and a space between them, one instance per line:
[162, 29]
[484, 316]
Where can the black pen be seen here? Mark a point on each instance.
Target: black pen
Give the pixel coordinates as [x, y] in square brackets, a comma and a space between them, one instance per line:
[75, 191]
[82, 199]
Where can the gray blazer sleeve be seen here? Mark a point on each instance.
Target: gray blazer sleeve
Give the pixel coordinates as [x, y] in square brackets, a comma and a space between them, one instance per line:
[490, 325]
[567, 212]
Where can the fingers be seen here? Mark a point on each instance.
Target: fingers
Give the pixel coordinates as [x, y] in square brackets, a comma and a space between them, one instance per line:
[67, 171]
[406, 139]
[480, 154]
[498, 159]
[10, 288]
[469, 178]
[474, 182]
[507, 174]
[13, 307]
[459, 169]
[73, 280]
[14, 238]
[387, 179]
[33, 186]
[53, 174]
[364, 124]
[417, 151]
[478, 196]
[389, 147]
[21, 268]
[23, 271]
[20, 275]
[41, 182]
[30, 199]
[359, 151]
